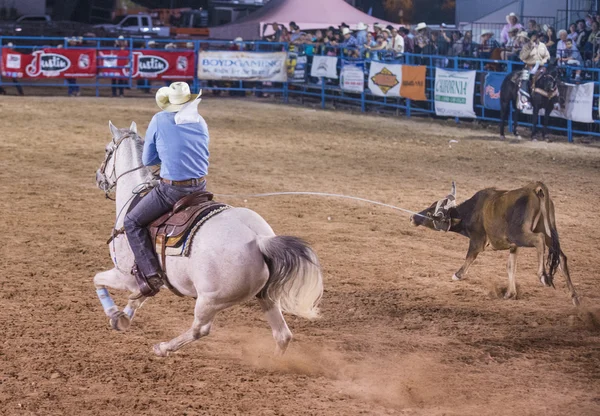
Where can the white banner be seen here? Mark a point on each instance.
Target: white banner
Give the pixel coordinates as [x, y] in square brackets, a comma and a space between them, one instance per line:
[324, 66]
[576, 103]
[246, 66]
[352, 78]
[454, 93]
[385, 80]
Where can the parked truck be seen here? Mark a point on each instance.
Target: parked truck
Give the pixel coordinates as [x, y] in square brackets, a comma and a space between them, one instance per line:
[134, 24]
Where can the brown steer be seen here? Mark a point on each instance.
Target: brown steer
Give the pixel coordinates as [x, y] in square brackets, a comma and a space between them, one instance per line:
[505, 220]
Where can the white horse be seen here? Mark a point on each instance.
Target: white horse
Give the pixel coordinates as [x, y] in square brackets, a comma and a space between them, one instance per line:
[234, 257]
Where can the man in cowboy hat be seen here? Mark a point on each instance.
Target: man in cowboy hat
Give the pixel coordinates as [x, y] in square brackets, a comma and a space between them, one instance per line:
[512, 22]
[533, 54]
[179, 143]
[361, 34]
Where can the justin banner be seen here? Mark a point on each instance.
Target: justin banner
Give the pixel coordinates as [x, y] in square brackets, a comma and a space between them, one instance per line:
[454, 93]
[324, 66]
[49, 63]
[245, 66]
[576, 103]
[491, 91]
[147, 64]
[385, 79]
[413, 82]
[352, 78]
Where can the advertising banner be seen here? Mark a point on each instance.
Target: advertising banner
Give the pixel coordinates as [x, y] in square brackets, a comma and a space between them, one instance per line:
[413, 82]
[245, 66]
[576, 103]
[296, 66]
[491, 91]
[385, 79]
[454, 93]
[324, 66]
[352, 77]
[49, 63]
[150, 64]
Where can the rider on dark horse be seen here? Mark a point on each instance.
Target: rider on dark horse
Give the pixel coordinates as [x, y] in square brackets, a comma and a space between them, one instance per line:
[534, 54]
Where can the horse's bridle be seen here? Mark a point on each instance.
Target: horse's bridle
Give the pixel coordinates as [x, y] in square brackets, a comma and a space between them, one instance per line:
[101, 178]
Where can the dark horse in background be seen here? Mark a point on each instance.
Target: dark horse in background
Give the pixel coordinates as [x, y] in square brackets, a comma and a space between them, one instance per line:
[544, 95]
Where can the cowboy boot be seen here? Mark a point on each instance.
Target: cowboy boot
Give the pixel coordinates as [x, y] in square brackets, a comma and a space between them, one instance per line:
[524, 97]
[150, 285]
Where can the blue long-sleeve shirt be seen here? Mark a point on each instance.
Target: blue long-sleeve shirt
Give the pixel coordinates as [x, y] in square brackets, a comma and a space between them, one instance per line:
[182, 150]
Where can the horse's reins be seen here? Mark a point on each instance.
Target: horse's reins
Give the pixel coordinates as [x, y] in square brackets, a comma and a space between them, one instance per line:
[113, 153]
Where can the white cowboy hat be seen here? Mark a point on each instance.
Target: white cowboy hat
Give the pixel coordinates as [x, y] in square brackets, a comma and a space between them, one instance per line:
[345, 31]
[152, 43]
[170, 46]
[238, 39]
[487, 32]
[189, 45]
[522, 34]
[361, 26]
[386, 30]
[508, 16]
[10, 45]
[172, 98]
[378, 26]
[421, 26]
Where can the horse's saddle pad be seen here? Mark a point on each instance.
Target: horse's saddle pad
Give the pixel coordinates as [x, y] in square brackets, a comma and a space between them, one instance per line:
[171, 232]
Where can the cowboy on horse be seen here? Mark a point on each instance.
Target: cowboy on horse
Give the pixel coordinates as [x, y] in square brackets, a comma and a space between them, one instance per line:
[534, 54]
[180, 146]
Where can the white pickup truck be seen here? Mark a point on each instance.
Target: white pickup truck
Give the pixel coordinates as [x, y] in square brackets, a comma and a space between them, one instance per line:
[139, 24]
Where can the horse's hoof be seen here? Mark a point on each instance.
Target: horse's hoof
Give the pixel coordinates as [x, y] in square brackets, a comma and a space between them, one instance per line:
[502, 137]
[158, 351]
[456, 278]
[518, 137]
[576, 301]
[509, 295]
[120, 321]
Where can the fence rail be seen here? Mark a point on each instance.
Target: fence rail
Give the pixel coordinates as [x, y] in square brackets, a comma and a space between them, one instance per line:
[318, 91]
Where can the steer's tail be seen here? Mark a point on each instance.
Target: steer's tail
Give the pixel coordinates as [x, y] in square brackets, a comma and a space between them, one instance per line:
[553, 259]
[294, 275]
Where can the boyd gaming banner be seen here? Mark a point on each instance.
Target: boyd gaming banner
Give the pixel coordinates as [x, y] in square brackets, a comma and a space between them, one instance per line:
[352, 77]
[49, 63]
[454, 93]
[246, 66]
[576, 103]
[413, 82]
[491, 91]
[324, 66]
[149, 64]
[385, 79]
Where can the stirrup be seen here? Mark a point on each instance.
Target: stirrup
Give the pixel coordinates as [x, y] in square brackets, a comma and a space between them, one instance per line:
[149, 286]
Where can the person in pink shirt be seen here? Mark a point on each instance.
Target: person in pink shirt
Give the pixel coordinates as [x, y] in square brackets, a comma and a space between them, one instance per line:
[512, 22]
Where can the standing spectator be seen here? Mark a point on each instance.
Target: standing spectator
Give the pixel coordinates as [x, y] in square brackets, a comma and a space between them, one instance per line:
[295, 31]
[73, 89]
[457, 46]
[421, 39]
[8, 49]
[468, 47]
[361, 34]
[285, 35]
[350, 44]
[592, 41]
[512, 23]
[532, 26]
[118, 83]
[582, 34]
[396, 42]
[573, 32]
[512, 47]
[380, 46]
[551, 40]
[408, 41]
[276, 36]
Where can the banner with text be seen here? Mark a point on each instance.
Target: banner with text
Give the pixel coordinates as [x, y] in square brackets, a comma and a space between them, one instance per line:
[296, 67]
[149, 64]
[576, 103]
[352, 77]
[49, 63]
[385, 79]
[245, 66]
[491, 91]
[324, 66]
[413, 82]
[454, 93]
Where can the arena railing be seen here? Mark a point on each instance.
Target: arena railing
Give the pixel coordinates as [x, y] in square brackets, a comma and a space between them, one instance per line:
[316, 91]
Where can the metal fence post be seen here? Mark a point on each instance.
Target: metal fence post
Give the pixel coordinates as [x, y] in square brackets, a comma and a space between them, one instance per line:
[1, 58]
[322, 92]
[196, 82]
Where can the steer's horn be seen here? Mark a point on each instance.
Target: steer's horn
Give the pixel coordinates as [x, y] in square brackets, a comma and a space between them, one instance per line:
[453, 191]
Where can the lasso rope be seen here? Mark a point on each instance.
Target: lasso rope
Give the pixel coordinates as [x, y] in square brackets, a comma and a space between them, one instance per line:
[320, 194]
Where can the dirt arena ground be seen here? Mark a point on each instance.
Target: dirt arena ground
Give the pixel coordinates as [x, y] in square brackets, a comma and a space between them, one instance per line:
[396, 336]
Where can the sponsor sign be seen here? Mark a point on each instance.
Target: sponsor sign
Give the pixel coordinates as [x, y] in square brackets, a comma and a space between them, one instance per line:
[352, 77]
[413, 82]
[50, 63]
[245, 66]
[491, 91]
[576, 103]
[385, 80]
[454, 93]
[148, 64]
[324, 66]
[296, 67]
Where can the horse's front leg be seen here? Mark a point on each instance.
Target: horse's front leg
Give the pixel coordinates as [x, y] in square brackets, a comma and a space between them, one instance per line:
[546, 121]
[534, 121]
[115, 279]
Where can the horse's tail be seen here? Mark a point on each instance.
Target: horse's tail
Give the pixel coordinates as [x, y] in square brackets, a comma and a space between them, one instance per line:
[295, 278]
[553, 259]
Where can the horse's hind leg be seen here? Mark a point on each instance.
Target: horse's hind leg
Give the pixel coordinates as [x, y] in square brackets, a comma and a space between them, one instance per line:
[515, 117]
[281, 332]
[204, 314]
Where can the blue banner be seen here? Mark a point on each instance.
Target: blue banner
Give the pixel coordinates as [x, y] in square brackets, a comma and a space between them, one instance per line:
[491, 91]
